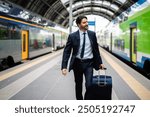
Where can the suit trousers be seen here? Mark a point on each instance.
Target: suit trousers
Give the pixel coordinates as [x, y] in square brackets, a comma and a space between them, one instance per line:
[81, 68]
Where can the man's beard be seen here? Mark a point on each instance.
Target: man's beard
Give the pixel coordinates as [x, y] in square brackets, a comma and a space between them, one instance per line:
[86, 27]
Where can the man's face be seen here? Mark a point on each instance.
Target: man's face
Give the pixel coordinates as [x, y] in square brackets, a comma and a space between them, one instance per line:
[84, 24]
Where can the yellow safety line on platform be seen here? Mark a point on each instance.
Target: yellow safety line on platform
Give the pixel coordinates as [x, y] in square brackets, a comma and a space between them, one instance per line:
[18, 70]
[137, 87]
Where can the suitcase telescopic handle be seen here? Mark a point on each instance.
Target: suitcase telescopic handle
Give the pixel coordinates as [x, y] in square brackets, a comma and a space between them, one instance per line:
[99, 82]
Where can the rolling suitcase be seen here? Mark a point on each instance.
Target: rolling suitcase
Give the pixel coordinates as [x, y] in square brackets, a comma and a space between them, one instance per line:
[101, 88]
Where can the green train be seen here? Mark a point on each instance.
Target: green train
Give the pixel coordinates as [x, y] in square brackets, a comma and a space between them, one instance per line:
[21, 40]
[130, 38]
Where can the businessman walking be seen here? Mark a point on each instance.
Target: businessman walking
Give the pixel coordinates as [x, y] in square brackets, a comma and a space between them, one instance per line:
[83, 47]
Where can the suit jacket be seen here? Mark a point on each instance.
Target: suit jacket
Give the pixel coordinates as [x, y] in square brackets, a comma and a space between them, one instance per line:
[72, 46]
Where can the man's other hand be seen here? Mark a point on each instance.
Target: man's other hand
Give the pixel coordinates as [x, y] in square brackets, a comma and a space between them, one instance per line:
[64, 72]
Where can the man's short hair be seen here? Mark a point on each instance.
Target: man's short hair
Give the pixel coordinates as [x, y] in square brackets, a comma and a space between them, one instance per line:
[79, 19]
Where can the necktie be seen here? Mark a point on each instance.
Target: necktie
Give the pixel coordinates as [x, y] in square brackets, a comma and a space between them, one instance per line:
[83, 47]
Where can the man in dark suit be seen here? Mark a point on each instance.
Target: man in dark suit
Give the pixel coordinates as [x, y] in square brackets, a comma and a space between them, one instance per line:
[85, 55]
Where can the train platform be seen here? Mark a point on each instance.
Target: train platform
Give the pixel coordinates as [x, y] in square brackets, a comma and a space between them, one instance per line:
[41, 79]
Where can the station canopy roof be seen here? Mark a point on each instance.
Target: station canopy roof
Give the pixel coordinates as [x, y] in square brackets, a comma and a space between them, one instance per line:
[57, 11]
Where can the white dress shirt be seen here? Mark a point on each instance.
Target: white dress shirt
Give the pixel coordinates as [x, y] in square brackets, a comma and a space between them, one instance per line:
[88, 54]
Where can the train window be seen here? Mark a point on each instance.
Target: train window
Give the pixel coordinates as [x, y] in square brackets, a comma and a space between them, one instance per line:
[135, 42]
[115, 43]
[24, 42]
[3, 32]
[122, 45]
[119, 44]
[9, 31]
[15, 32]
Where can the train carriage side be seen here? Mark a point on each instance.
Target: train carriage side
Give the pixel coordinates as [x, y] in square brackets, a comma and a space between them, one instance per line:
[58, 38]
[40, 41]
[21, 40]
[133, 43]
[10, 42]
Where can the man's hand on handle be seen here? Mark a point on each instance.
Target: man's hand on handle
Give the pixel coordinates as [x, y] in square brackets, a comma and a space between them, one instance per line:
[101, 66]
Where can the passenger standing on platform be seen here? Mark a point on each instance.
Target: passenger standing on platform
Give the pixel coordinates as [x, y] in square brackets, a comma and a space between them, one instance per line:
[83, 47]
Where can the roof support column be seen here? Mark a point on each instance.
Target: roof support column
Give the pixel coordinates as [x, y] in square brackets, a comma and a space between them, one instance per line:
[70, 16]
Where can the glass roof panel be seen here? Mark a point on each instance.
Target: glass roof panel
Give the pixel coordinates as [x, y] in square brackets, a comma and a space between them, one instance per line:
[114, 7]
[103, 10]
[86, 2]
[110, 13]
[108, 8]
[96, 8]
[121, 1]
[98, 2]
[87, 9]
[64, 1]
[76, 12]
[106, 3]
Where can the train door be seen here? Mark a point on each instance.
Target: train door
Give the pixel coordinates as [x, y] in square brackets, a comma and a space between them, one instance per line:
[54, 41]
[133, 44]
[62, 37]
[111, 42]
[25, 46]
